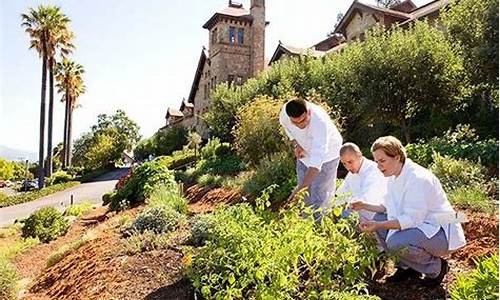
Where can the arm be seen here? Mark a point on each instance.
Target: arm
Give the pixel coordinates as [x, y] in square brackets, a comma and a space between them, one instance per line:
[359, 205]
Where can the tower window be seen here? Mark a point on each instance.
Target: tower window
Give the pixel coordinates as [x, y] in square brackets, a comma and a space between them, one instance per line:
[232, 37]
[214, 36]
[240, 36]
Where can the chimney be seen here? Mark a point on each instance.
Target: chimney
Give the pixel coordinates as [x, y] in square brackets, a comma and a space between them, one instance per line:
[258, 12]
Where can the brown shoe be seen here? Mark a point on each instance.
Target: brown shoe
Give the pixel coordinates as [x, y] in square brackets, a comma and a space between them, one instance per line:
[433, 282]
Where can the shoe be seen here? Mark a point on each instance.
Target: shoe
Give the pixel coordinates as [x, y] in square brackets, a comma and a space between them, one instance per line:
[402, 275]
[432, 282]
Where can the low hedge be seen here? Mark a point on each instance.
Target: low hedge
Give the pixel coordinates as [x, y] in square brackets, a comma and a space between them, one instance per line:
[33, 195]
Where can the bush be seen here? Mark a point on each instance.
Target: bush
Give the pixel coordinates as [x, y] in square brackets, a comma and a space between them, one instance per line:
[60, 177]
[107, 198]
[279, 169]
[142, 182]
[30, 196]
[209, 181]
[168, 196]
[157, 219]
[78, 209]
[46, 223]
[258, 132]
[480, 284]
[177, 159]
[462, 143]
[454, 173]
[202, 228]
[8, 280]
[473, 198]
[146, 241]
[164, 142]
[255, 254]
[214, 148]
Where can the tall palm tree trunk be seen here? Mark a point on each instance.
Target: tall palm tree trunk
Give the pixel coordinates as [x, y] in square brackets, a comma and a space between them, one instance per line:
[51, 116]
[70, 125]
[65, 139]
[41, 172]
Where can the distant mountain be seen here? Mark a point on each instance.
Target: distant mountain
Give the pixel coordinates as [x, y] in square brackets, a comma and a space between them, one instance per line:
[16, 154]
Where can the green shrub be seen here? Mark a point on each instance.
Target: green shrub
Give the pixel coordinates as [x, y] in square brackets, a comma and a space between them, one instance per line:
[256, 254]
[177, 159]
[209, 181]
[60, 177]
[168, 196]
[454, 173]
[164, 142]
[214, 148]
[258, 132]
[201, 229]
[78, 209]
[480, 284]
[279, 169]
[462, 143]
[145, 241]
[107, 198]
[142, 182]
[33, 195]
[185, 176]
[47, 224]
[157, 219]
[8, 280]
[473, 198]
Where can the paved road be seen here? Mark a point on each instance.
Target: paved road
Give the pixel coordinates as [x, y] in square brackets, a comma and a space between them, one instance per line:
[91, 191]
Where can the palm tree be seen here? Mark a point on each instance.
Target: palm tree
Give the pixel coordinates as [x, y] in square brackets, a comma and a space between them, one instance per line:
[48, 29]
[70, 84]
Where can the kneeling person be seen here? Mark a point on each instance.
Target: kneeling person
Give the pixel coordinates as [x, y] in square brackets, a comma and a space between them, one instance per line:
[364, 181]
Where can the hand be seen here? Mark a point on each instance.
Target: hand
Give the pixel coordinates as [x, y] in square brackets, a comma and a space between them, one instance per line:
[369, 226]
[299, 151]
[294, 193]
[357, 205]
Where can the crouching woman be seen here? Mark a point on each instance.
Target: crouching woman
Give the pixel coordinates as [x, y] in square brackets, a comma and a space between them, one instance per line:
[408, 220]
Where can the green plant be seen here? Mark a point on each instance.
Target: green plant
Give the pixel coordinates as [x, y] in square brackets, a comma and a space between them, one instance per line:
[168, 196]
[209, 181]
[60, 177]
[454, 173]
[78, 209]
[157, 219]
[258, 132]
[253, 253]
[108, 197]
[8, 280]
[67, 249]
[145, 241]
[278, 169]
[47, 224]
[201, 228]
[480, 284]
[474, 198]
[142, 182]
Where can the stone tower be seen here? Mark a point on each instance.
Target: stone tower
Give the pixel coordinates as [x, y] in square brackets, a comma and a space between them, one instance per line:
[236, 42]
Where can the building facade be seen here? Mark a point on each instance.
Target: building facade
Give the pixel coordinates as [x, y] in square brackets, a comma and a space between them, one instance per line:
[235, 53]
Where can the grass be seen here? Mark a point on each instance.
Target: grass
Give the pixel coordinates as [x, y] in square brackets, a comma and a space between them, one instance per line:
[8, 280]
[30, 196]
[67, 249]
[474, 198]
[78, 209]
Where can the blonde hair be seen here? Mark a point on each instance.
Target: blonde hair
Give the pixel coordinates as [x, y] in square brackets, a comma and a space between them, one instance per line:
[350, 147]
[391, 146]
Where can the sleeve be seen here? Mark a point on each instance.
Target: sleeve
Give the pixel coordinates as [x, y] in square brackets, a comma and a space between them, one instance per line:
[319, 143]
[415, 204]
[285, 123]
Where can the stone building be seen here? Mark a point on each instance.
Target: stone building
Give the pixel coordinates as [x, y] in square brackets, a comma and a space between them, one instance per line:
[235, 53]
[359, 18]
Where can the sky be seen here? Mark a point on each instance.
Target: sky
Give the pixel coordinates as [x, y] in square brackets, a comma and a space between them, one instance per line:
[138, 56]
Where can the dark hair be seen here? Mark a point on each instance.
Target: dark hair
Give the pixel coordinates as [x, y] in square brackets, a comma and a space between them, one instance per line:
[296, 108]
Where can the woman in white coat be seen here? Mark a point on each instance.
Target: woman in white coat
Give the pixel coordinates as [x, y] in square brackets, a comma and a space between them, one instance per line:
[408, 219]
